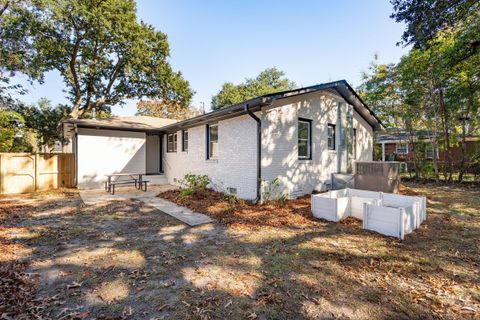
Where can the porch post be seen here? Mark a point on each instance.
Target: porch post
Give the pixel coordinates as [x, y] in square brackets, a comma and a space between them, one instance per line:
[383, 150]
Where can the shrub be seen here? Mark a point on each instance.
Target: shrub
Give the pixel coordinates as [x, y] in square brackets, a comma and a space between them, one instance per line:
[232, 199]
[194, 185]
[271, 191]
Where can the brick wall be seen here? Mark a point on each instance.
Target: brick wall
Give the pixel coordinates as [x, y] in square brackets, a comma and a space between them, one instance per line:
[280, 138]
[236, 163]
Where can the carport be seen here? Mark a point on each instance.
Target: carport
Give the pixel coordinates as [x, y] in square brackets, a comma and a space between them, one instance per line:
[115, 145]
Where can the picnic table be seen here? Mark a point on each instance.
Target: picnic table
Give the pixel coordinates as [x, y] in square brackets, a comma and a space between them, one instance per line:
[119, 179]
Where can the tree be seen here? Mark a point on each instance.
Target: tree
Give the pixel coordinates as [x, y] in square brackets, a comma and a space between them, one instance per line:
[17, 53]
[379, 89]
[103, 53]
[425, 19]
[43, 120]
[426, 91]
[11, 126]
[268, 81]
[162, 109]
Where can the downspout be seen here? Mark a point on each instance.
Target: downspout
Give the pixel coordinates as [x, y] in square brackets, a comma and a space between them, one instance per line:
[259, 152]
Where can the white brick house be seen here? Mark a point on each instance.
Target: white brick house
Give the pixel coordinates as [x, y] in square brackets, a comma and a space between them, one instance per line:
[305, 136]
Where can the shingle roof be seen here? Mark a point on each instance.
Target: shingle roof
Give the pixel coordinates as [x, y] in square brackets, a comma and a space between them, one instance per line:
[139, 123]
[341, 87]
[134, 122]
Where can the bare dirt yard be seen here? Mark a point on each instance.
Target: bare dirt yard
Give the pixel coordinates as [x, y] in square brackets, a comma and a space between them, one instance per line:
[61, 259]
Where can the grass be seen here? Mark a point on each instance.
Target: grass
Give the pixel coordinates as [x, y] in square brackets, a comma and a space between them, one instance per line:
[125, 260]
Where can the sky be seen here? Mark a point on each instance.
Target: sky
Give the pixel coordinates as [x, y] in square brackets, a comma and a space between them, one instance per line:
[214, 41]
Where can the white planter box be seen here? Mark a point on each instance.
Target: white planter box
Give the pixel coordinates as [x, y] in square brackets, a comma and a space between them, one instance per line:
[386, 213]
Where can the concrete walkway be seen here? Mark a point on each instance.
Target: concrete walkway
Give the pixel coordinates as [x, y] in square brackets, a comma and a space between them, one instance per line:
[149, 198]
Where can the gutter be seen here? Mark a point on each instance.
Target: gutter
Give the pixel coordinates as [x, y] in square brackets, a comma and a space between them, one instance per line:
[259, 152]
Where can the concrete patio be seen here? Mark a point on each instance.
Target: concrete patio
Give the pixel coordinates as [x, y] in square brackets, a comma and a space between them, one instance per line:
[149, 198]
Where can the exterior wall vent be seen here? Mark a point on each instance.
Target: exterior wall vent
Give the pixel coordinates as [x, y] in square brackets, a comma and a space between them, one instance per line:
[232, 190]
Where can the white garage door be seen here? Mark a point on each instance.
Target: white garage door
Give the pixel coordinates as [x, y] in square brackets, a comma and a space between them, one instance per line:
[102, 152]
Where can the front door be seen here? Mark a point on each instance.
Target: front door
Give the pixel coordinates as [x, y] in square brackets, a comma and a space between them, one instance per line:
[153, 154]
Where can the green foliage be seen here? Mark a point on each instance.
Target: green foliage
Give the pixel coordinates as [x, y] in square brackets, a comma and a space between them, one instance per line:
[17, 52]
[104, 54]
[194, 185]
[425, 19]
[271, 191]
[380, 91]
[164, 109]
[232, 199]
[12, 126]
[268, 81]
[43, 119]
[429, 89]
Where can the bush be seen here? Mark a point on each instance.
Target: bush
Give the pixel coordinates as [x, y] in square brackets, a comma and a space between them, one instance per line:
[271, 191]
[232, 199]
[194, 185]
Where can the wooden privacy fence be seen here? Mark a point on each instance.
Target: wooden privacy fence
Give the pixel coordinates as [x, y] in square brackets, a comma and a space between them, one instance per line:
[25, 172]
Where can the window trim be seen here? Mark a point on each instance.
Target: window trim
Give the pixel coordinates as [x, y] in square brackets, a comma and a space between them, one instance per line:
[309, 140]
[433, 152]
[333, 126]
[406, 148]
[174, 143]
[209, 156]
[183, 140]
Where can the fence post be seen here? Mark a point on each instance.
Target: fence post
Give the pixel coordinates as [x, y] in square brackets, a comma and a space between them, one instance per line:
[2, 174]
[35, 165]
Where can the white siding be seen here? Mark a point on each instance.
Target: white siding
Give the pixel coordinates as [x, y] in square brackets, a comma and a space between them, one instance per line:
[235, 166]
[103, 152]
[279, 142]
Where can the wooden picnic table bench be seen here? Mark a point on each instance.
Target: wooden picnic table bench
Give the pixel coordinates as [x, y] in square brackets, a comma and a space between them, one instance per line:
[132, 178]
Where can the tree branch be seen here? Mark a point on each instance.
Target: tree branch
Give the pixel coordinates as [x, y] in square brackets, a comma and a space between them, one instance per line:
[5, 7]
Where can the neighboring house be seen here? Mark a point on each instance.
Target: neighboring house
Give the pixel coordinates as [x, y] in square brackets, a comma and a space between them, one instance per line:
[399, 147]
[302, 137]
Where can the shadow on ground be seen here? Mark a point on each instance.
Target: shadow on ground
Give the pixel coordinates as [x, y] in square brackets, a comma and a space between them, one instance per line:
[122, 259]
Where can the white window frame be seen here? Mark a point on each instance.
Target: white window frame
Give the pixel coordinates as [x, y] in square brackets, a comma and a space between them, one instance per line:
[210, 148]
[185, 145]
[172, 145]
[308, 140]
[401, 143]
[333, 137]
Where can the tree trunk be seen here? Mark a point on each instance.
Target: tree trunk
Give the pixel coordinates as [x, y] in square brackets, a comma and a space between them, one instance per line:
[77, 111]
[446, 133]
[464, 152]
[435, 160]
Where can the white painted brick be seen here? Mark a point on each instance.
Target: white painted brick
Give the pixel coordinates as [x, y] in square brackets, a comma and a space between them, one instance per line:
[280, 138]
[236, 165]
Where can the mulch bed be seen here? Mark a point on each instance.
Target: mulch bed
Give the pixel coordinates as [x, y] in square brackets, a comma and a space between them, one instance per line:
[242, 214]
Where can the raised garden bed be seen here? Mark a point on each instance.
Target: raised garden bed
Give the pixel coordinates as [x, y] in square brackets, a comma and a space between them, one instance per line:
[386, 213]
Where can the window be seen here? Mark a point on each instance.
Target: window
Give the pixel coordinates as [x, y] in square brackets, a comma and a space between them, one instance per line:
[172, 142]
[185, 140]
[402, 148]
[429, 152]
[331, 136]
[304, 139]
[212, 141]
[354, 143]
